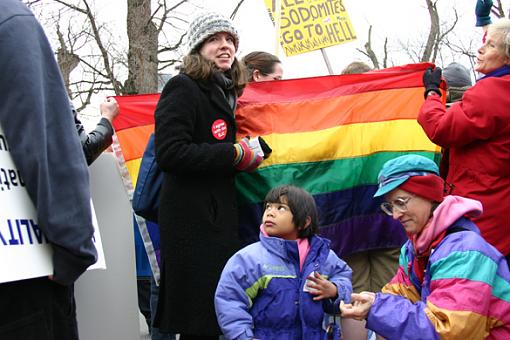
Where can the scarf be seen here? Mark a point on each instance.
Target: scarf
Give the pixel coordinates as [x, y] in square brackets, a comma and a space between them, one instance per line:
[450, 210]
[499, 72]
[226, 85]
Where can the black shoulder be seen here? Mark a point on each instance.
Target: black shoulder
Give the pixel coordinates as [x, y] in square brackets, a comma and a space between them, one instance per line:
[182, 82]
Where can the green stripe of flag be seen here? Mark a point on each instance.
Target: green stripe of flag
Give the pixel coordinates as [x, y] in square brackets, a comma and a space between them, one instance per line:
[317, 177]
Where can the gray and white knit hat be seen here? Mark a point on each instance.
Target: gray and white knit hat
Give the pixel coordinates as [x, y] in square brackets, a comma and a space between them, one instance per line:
[205, 25]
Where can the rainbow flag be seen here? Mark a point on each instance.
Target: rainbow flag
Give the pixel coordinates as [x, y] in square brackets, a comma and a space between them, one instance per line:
[133, 126]
[330, 135]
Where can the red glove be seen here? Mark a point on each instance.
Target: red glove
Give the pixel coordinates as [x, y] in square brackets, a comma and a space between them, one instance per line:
[246, 159]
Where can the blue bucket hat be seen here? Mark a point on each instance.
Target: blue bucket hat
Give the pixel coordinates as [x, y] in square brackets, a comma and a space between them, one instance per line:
[398, 170]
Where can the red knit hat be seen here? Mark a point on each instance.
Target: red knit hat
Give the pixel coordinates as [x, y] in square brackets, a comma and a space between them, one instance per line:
[430, 187]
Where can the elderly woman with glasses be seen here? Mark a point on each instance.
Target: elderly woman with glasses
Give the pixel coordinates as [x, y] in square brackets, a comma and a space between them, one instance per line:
[451, 284]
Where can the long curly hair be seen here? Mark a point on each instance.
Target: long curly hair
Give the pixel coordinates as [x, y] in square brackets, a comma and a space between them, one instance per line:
[199, 68]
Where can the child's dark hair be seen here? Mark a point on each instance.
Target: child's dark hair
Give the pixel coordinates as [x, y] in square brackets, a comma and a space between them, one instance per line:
[301, 204]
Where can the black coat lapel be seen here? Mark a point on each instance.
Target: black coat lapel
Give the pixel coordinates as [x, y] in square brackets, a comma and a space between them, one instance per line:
[217, 98]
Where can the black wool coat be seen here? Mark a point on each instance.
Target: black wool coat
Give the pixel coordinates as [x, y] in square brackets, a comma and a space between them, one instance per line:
[195, 132]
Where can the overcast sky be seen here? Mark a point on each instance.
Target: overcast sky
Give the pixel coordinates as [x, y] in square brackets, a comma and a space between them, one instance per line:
[403, 22]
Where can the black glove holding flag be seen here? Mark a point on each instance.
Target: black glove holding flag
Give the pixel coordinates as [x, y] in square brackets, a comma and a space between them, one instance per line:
[432, 80]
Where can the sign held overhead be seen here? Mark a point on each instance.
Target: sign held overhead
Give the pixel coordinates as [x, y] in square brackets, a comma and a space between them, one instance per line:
[308, 25]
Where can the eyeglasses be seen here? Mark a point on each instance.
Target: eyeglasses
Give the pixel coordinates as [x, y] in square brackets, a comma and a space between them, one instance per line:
[400, 205]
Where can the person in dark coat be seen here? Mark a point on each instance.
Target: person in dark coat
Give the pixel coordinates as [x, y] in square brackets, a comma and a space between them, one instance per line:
[36, 130]
[195, 137]
[99, 139]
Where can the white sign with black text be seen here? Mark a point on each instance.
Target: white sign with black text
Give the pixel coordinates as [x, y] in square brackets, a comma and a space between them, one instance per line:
[24, 250]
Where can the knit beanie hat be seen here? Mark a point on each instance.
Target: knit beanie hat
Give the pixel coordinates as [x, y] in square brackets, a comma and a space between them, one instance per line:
[207, 24]
[456, 75]
[430, 187]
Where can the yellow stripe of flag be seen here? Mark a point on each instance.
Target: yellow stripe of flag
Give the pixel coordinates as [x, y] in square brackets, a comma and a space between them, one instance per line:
[347, 141]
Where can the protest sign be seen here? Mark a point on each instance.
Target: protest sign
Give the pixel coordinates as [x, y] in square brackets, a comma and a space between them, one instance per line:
[307, 25]
[24, 249]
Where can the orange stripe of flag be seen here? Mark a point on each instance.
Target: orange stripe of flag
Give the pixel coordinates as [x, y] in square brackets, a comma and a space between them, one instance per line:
[260, 119]
[134, 140]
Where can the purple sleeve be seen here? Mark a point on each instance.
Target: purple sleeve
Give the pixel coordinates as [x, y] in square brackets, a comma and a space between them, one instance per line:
[395, 317]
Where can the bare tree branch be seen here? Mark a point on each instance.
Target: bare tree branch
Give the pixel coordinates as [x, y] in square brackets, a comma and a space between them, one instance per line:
[234, 12]
[95, 34]
[166, 13]
[497, 9]
[442, 36]
[385, 59]
[174, 47]
[166, 63]
[102, 49]
[369, 52]
[73, 7]
[31, 3]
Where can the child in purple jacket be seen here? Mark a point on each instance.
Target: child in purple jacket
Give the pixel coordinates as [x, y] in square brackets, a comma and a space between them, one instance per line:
[280, 287]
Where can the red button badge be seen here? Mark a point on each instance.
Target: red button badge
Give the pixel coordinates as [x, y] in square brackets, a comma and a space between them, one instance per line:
[219, 129]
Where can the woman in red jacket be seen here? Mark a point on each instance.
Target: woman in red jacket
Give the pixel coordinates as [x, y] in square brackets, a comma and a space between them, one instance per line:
[477, 132]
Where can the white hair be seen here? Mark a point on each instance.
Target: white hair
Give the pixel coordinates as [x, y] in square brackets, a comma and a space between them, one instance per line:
[502, 26]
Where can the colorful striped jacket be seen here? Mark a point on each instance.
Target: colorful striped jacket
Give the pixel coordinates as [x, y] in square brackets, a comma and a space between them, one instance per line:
[465, 292]
[261, 290]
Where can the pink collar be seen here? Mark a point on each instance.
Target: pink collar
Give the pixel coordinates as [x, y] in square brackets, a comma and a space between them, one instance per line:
[450, 210]
[303, 248]
[302, 244]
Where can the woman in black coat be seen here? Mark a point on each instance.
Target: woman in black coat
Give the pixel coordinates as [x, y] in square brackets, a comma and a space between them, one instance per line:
[196, 148]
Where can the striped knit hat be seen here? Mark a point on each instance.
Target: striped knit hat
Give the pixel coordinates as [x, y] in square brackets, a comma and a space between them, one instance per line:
[205, 25]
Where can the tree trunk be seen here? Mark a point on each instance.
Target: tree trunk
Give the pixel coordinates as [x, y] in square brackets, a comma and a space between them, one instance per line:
[143, 49]
[66, 59]
[434, 32]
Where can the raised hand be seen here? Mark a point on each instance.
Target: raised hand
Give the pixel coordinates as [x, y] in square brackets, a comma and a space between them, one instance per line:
[432, 80]
[109, 109]
[483, 12]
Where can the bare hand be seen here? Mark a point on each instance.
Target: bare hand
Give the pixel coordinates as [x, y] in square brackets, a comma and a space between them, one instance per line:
[109, 109]
[359, 307]
[321, 288]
